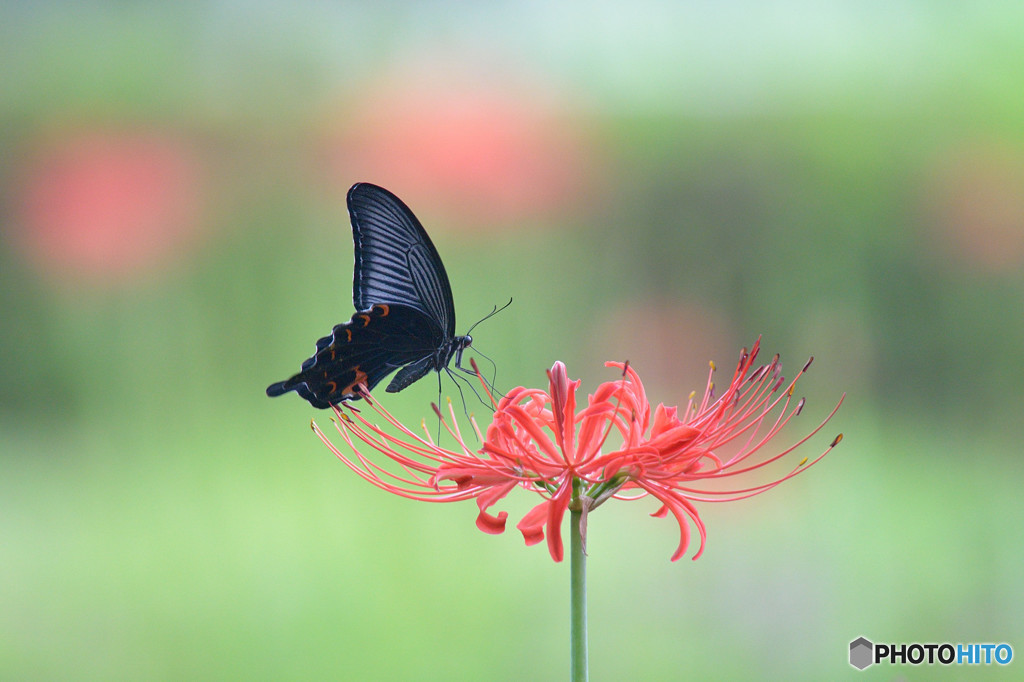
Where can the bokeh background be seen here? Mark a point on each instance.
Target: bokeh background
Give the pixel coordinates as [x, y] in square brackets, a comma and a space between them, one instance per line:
[652, 181]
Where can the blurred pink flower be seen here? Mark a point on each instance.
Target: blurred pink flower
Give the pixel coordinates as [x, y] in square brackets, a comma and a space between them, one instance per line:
[975, 202]
[485, 155]
[108, 205]
[539, 441]
[674, 328]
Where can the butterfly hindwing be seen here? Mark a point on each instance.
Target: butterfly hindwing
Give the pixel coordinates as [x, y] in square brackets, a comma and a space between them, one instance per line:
[365, 349]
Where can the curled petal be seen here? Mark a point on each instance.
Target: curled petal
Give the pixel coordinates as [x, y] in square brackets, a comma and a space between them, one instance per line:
[683, 511]
[492, 525]
[532, 523]
[488, 523]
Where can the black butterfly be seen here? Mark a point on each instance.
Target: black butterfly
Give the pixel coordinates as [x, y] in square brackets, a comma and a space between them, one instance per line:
[407, 315]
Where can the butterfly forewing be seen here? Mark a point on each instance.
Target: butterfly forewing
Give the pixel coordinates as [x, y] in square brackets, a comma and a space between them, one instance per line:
[396, 262]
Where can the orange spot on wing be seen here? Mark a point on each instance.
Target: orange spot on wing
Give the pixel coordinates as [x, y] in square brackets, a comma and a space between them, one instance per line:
[383, 309]
[360, 378]
[349, 332]
[365, 318]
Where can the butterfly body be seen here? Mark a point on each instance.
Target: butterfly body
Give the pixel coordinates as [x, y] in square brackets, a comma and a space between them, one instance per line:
[406, 315]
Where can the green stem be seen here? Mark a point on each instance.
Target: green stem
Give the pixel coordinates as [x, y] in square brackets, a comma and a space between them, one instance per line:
[578, 610]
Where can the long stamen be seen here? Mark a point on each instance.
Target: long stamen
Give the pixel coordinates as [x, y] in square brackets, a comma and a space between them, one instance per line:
[487, 389]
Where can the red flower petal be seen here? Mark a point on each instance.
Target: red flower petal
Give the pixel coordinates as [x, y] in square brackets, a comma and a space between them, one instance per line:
[532, 523]
[556, 510]
[492, 525]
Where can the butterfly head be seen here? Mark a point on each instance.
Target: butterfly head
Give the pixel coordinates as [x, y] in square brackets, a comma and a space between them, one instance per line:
[459, 344]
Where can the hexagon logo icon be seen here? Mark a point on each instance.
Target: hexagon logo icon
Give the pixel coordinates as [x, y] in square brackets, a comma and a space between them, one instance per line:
[861, 653]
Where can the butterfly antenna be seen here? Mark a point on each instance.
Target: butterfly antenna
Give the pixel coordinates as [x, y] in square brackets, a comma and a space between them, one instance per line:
[494, 311]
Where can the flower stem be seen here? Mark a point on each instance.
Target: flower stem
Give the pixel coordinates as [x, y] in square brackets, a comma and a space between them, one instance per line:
[578, 610]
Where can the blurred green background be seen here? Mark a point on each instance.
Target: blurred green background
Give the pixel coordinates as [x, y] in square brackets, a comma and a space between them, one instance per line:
[657, 182]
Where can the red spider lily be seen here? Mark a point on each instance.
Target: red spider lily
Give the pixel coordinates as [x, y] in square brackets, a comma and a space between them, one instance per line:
[537, 440]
